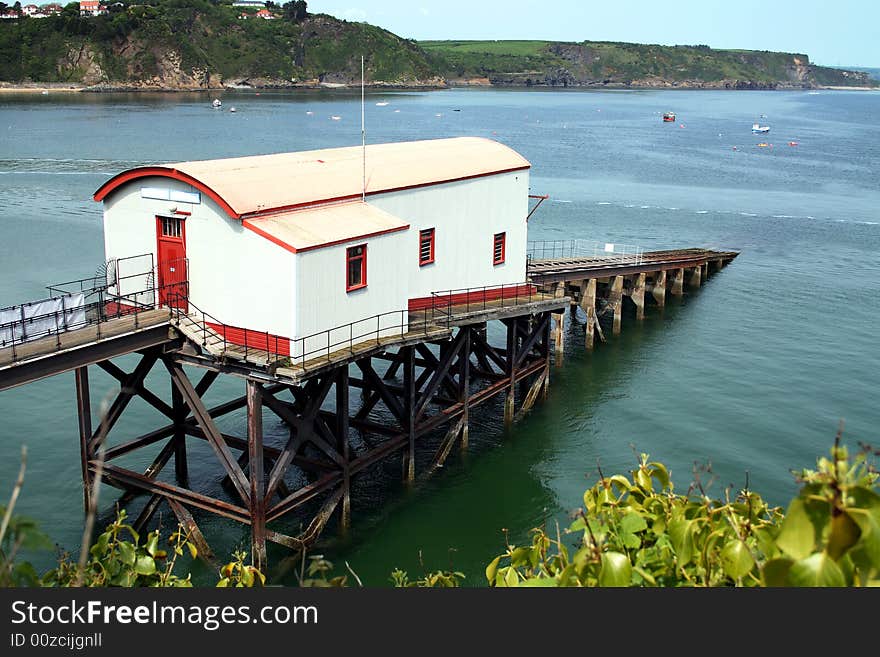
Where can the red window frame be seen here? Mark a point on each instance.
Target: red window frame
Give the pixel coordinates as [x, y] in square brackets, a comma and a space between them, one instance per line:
[426, 237]
[499, 246]
[350, 257]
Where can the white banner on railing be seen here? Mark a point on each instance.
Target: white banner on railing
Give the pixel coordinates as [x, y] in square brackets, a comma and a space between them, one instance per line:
[31, 321]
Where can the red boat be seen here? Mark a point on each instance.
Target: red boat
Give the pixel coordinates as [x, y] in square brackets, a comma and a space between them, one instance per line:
[669, 117]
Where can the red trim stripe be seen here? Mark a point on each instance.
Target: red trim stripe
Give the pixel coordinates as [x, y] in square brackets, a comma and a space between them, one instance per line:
[145, 172]
[476, 296]
[252, 339]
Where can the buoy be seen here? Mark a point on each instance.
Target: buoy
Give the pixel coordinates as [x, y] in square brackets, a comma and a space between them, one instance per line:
[681, 125]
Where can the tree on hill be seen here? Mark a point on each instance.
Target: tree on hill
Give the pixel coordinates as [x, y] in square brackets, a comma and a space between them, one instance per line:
[295, 11]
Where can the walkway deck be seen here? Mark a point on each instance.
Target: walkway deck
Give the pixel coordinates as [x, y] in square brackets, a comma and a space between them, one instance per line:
[553, 270]
[62, 352]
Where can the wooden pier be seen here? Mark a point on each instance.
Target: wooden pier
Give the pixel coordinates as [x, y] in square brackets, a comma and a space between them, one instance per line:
[423, 381]
[600, 284]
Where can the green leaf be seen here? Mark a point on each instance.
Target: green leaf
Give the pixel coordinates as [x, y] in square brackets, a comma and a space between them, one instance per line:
[844, 534]
[818, 569]
[681, 535]
[492, 568]
[193, 551]
[660, 473]
[539, 581]
[797, 536]
[511, 578]
[145, 565]
[736, 559]
[152, 543]
[632, 523]
[616, 570]
[127, 553]
[775, 571]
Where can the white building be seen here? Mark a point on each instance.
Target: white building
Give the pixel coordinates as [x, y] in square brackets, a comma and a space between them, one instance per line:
[284, 243]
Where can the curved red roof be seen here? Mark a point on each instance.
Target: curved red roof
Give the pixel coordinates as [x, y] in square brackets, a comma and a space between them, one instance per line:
[259, 184]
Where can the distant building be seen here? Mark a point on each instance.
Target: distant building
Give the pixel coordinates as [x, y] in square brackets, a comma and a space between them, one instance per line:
[52, 9]
[253, 4]
[30, 10]
[9, 14]
[91, 8]
[265, 13]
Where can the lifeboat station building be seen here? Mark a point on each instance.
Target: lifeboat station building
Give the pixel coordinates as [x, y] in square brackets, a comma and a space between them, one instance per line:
[294, 244]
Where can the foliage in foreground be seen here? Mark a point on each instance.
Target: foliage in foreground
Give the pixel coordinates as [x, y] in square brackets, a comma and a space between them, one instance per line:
[631, 531]
[637, 531]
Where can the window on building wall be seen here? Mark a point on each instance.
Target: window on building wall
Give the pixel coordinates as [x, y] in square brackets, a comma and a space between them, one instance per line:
[171, 227]
[426, 246]
[356, 267]
[498, 248]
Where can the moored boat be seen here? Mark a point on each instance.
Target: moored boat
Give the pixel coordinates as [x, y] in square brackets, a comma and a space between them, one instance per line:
[668, 117]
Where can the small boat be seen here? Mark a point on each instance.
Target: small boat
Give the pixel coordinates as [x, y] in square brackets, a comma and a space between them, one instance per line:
[792, 143]
[763, 144]
[382, 104]
[335, 118]
[758, 129]
[231, 109]
[216, 103]
[669, 117]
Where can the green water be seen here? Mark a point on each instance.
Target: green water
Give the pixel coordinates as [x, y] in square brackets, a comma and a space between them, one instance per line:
[751, 373]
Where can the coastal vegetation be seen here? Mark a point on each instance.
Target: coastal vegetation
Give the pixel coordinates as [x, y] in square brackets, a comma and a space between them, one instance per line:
[633, 530]
[209, 44]
[592, 63]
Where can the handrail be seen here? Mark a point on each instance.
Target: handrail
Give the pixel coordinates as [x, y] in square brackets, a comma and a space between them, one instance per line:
[578, 248]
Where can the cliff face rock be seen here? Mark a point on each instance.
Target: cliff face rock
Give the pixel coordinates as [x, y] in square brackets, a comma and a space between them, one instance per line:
[80, 63]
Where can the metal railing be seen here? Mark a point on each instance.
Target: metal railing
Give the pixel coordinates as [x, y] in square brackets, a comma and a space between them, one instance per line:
[447, 304]
[110, 295]
[610, 251]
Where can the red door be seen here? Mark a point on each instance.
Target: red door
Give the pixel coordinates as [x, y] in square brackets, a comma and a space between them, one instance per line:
[172, 267]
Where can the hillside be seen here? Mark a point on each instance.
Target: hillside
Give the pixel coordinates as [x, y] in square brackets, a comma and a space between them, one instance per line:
[596, 63]
[172, 44]
[209, 44]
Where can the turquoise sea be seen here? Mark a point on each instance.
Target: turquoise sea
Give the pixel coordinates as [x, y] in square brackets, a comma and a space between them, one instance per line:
[751, 374]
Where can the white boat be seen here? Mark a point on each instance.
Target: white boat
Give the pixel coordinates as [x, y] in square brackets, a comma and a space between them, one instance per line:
[758, 129]
[216, 103]
[382, 104]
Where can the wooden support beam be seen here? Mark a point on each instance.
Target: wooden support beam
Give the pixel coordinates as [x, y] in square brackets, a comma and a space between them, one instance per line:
[141, 390]
[257, 475]
[212, 433]
[696, 275]
[410, 410]
[638, 295]
[588, 304]
[464, 382]
[181, 469]
[545, 348]
[659, 289]
[446, 445]
[615, 299]
[678, 283]
[510, 371]
[719, 263]
[439, 375]
[147, 513]
[381, 388]
[186, 520]
[342, 445]
[532, 394]
[128, 390]
[84, 415]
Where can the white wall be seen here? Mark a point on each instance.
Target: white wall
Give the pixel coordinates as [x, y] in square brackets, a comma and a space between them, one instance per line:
[324, 303]
[466, 216]
[235, 275]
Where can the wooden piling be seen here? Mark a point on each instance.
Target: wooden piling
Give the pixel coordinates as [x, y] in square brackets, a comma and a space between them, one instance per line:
[588, 304]
[257, 475]
[181, 470]
[678, 283]
[342, 422]
[696, 276]
[409, 409]
[638, 295]
[510, 398]
[659, 291]
[84, 414]
[615, 297]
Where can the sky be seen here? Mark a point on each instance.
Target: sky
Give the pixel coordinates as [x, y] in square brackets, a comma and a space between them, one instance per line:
[830, 32]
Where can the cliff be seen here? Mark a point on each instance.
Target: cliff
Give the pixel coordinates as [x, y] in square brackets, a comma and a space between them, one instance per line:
[607, 64]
